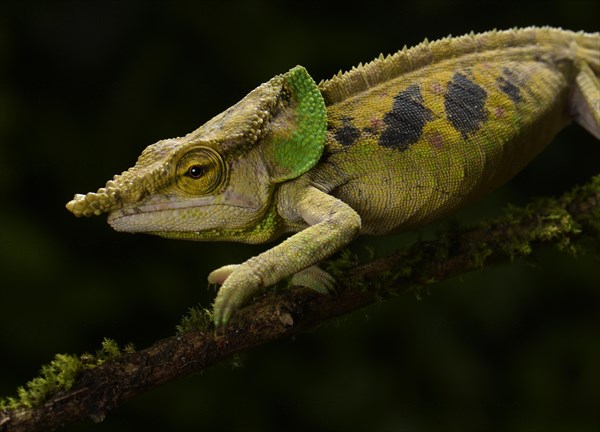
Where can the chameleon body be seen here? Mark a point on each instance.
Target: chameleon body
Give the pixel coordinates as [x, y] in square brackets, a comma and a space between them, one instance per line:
[390, 145]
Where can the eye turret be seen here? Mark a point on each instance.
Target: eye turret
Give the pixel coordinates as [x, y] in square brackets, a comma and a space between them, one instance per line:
[200, 171]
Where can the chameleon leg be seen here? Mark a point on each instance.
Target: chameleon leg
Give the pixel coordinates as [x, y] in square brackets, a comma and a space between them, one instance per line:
[586, 100]
[332, 225]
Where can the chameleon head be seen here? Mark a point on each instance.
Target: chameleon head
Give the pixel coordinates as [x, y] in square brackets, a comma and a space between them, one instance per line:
[218, 182]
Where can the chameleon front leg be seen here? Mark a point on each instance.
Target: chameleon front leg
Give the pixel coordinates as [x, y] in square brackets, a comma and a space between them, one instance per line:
[332, 225]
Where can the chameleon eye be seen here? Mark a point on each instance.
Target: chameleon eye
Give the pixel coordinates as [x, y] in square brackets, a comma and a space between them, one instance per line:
[195, 171]
[200, 171]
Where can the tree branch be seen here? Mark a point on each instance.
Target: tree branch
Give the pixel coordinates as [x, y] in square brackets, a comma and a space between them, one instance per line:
[278, 314]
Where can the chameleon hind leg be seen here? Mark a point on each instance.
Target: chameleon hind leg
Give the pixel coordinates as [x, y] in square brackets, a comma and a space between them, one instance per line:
[585, 102]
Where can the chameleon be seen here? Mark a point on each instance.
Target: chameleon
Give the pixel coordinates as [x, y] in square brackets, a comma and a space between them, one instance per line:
[387, 146]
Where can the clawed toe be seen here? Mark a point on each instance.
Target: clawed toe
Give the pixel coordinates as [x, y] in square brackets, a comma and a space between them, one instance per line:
[316, 279]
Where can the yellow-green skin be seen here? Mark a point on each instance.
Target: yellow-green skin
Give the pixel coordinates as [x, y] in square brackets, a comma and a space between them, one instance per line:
[387, 146]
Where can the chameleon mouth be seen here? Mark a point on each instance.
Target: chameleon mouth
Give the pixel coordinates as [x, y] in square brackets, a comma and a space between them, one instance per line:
[153, 218]
[145, 218]
[186, 216]
[133, 220]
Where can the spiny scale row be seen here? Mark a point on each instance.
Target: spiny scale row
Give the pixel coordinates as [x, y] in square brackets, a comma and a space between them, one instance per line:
[361, 77]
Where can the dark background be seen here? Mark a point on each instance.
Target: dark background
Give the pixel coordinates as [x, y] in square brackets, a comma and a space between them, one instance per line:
[85, 86]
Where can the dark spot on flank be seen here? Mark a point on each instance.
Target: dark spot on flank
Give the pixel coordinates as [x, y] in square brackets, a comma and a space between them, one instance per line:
[465, 104]
[507, 85]
[406, 120]
[348, 133]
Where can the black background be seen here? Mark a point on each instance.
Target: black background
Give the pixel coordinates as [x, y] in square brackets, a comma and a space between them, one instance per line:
[85, 86]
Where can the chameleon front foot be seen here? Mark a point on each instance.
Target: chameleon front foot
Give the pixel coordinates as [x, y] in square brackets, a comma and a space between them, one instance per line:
[239, 284]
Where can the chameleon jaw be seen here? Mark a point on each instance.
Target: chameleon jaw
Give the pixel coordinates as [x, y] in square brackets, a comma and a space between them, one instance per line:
[199, 219]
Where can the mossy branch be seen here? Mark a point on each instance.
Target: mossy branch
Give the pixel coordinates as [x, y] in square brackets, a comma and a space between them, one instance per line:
[75, 388]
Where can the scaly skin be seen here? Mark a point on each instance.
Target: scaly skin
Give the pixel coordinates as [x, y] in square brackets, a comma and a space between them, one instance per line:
[387, 146]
